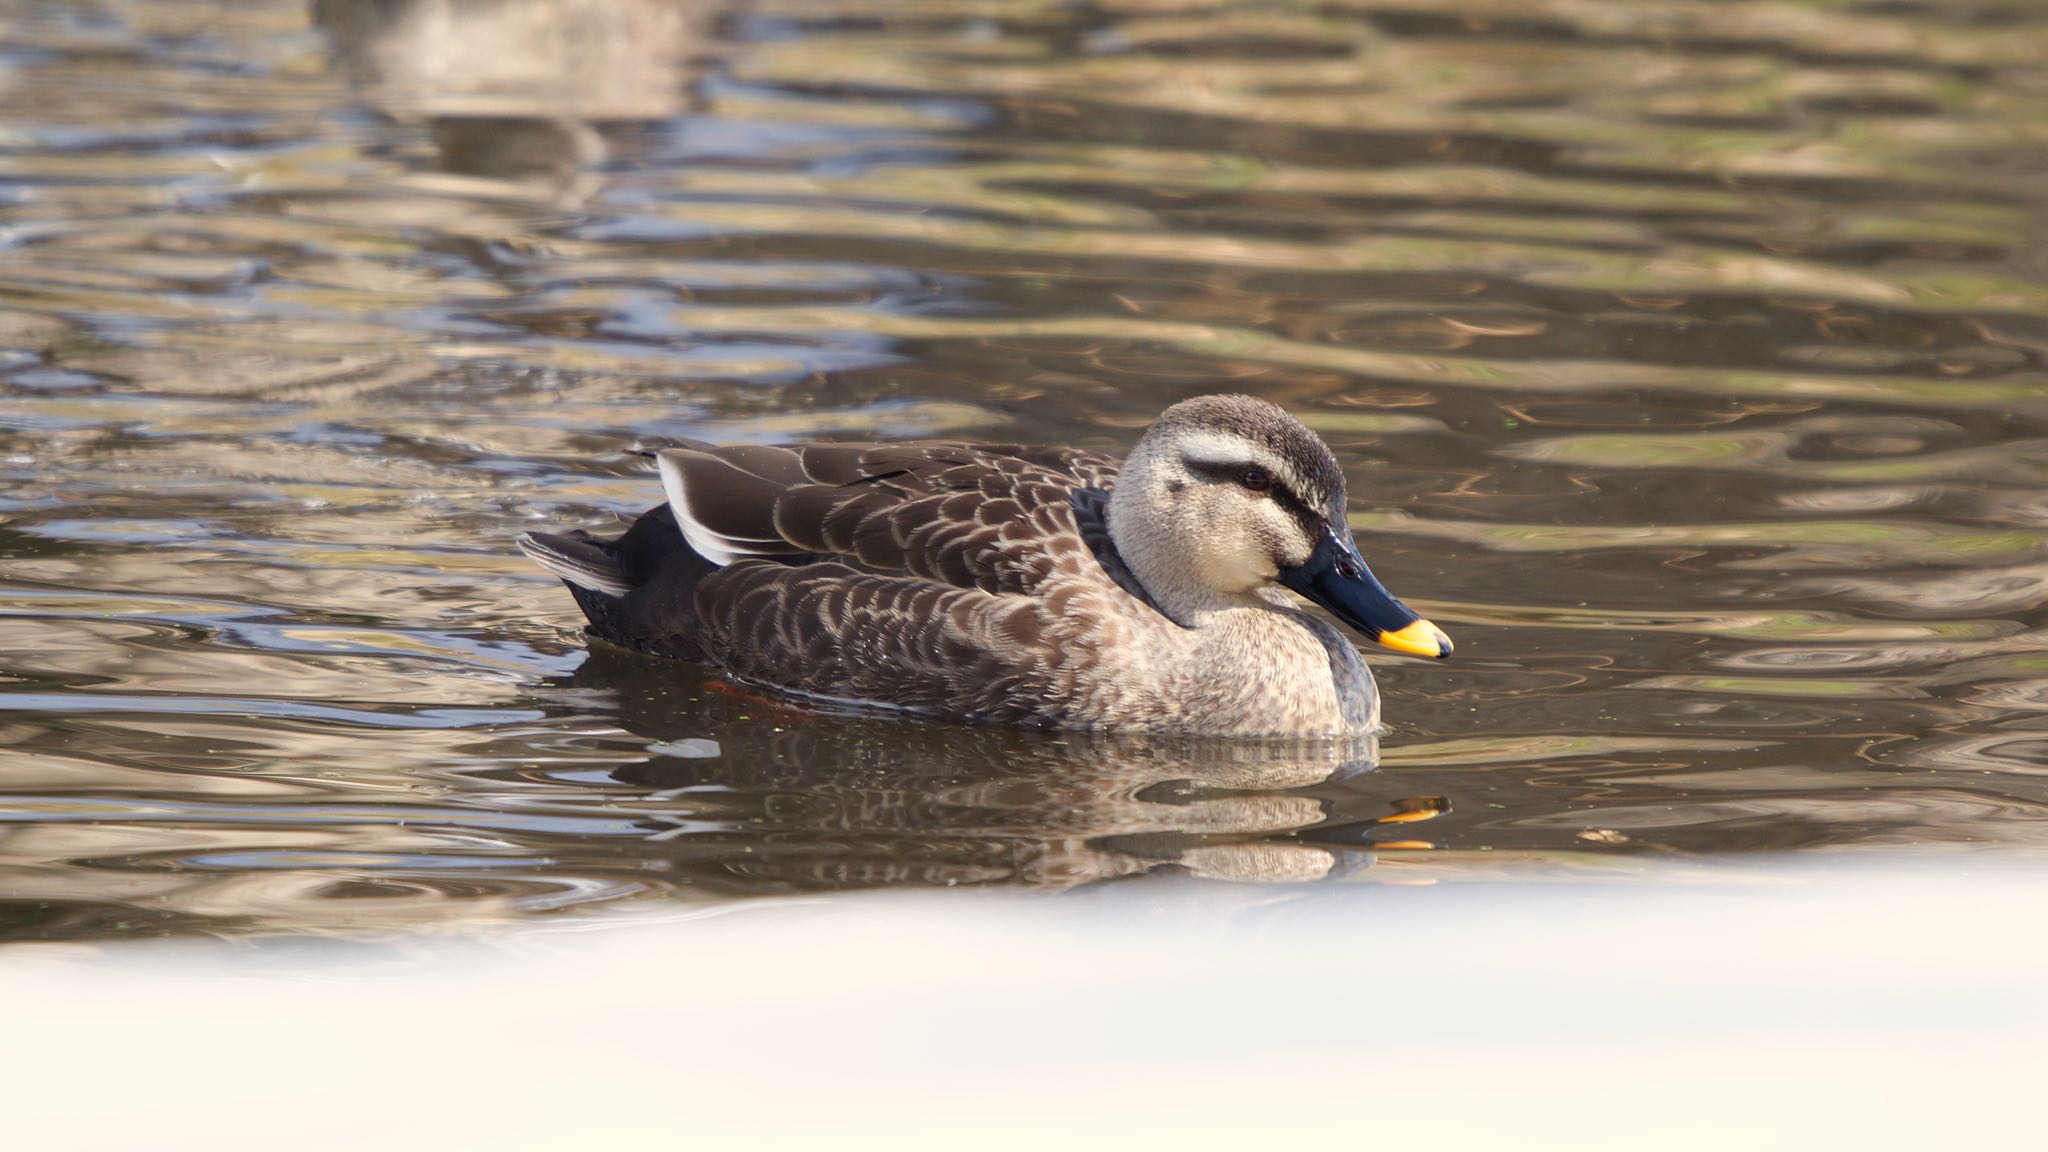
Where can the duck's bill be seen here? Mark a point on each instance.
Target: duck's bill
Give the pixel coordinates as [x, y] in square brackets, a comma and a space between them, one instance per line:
[1336, 577]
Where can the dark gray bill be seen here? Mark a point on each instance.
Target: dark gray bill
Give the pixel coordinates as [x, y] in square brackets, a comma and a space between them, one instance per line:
[1335, 576]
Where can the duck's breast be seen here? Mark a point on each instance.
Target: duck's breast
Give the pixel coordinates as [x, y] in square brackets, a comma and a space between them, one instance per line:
[1358, 696]
[1272, 672]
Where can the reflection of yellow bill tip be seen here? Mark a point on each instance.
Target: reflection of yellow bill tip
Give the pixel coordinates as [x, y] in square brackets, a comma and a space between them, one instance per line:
[1418, 639]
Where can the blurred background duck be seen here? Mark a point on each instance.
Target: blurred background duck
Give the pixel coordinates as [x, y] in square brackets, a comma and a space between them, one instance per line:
[1000, 582]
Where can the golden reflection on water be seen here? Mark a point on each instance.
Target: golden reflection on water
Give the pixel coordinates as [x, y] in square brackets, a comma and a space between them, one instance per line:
[1688, 361]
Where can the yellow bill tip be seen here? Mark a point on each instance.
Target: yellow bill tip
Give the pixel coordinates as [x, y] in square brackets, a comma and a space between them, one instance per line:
[1418, 639]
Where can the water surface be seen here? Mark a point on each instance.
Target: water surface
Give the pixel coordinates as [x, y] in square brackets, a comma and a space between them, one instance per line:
[1689, 362]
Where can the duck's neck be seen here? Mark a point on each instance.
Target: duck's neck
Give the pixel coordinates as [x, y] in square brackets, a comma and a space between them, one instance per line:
[1153, 553]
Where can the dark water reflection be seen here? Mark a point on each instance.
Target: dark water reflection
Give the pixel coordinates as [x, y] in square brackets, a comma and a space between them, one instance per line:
[1688, 360]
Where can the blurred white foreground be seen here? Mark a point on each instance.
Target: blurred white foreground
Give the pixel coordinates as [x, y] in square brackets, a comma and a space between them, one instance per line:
[1884, 1007]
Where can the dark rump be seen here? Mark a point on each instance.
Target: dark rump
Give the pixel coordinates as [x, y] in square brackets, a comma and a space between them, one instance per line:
[658, 614]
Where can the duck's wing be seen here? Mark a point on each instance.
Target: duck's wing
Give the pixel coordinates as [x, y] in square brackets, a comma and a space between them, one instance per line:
[998, 518]
[832, 631]
[940, 577]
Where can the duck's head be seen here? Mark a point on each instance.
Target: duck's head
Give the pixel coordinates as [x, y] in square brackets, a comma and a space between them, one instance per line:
[1225, 495]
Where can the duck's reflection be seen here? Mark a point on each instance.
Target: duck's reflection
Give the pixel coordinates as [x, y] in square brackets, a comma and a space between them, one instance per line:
[749, 794]
[516, 92]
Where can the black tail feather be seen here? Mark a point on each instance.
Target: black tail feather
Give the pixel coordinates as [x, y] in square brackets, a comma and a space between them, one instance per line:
[638, 590]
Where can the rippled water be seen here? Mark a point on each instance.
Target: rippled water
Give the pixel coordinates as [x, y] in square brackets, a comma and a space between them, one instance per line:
[1690, 362]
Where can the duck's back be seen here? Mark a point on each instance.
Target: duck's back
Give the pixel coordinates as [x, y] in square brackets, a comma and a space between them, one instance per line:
[953, 579]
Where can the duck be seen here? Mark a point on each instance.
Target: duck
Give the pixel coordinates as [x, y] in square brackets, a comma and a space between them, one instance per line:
[1042, 586]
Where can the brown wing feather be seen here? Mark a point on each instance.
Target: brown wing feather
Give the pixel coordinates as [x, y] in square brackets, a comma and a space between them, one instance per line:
[992, 517]
[834, 631]
[936, 576]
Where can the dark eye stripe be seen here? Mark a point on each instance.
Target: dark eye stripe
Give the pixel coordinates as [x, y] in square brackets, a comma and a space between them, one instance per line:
[1310, 520]
[1218, 473]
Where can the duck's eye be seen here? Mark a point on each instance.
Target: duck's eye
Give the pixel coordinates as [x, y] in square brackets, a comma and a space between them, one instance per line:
[1256, 479]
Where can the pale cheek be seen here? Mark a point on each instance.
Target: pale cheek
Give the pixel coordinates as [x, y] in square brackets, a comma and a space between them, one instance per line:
[1225, 543]
[1237, 567]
